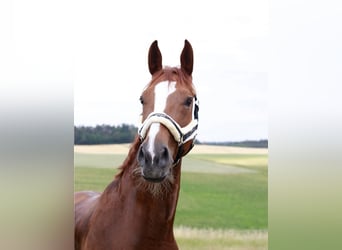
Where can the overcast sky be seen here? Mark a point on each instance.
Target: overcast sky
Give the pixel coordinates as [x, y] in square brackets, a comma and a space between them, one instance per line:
[101, 48]
[230, 41]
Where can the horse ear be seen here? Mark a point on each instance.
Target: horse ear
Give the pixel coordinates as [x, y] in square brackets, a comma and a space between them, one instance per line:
[187, 58]
[154, 58]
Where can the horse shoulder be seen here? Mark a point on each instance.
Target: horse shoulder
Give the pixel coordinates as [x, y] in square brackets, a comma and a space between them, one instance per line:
[104, 223]
[85, 203]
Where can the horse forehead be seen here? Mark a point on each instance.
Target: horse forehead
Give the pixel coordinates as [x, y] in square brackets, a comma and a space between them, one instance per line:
[161, 92]
[165, 87]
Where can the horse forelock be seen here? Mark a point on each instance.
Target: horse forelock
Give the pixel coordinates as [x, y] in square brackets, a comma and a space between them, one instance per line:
[171, 74]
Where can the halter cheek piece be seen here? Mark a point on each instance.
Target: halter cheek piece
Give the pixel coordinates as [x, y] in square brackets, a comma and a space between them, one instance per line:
[181, 134]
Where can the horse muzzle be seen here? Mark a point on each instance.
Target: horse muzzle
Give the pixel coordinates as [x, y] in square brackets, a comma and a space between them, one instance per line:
[155, 165]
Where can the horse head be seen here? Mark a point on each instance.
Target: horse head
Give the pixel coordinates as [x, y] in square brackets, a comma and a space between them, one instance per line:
[169, 115]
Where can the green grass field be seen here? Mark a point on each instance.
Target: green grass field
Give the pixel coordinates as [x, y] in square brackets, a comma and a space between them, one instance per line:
[223, 197]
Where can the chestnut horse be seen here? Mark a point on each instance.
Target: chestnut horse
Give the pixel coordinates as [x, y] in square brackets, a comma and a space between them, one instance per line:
[137, 209]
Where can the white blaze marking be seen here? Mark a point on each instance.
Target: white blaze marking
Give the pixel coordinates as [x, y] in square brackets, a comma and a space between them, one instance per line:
[161, 92]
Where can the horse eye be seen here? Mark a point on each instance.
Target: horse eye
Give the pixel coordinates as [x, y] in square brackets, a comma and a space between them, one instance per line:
[188, 101]
[141, 100]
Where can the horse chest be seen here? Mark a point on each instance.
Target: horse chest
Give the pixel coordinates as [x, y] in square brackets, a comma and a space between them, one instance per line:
[130, 224]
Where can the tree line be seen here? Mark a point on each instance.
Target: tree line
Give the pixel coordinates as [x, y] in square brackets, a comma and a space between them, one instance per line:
[104, 134]
[248, 143]
[125, 133]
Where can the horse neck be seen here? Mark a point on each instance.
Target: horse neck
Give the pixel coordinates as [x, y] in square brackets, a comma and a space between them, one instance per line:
[154, 209]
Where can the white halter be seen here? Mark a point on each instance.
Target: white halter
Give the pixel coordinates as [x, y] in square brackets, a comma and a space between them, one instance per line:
[180, 134]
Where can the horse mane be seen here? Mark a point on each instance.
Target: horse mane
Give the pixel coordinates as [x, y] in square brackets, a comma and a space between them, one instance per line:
[131, 157]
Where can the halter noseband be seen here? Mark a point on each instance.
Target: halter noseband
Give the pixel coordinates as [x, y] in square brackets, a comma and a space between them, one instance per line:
[181, 134]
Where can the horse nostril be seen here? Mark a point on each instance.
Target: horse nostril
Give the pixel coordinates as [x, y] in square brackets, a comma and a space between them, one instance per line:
[160, 158]
[144, 157]
[164, 153]
[163, 157]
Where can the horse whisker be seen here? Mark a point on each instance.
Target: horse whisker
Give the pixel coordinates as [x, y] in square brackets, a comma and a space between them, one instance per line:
[157, 190]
